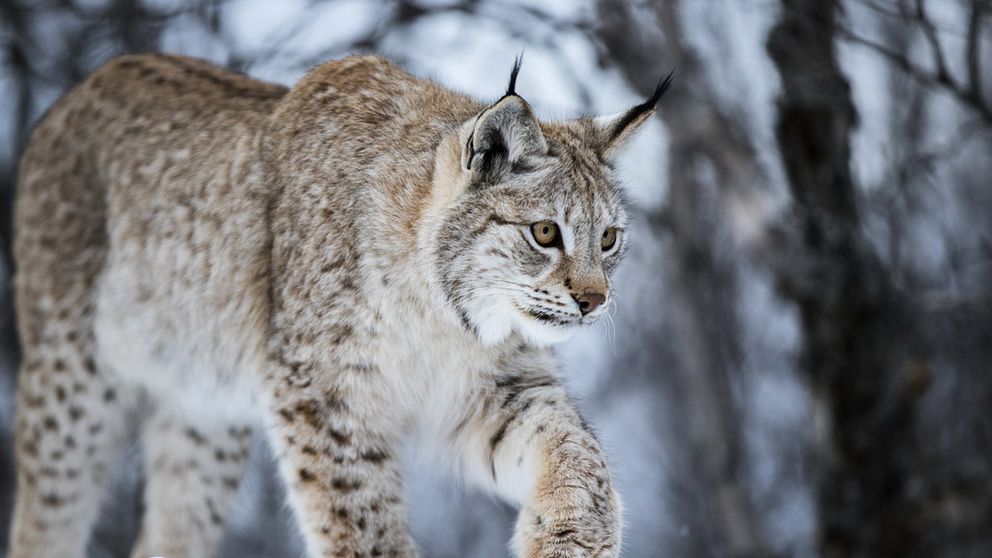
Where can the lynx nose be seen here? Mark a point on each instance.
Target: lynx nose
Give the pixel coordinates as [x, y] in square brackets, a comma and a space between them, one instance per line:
[589, 301]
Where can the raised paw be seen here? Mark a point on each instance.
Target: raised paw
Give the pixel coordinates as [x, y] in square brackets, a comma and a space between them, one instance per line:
[587, 533]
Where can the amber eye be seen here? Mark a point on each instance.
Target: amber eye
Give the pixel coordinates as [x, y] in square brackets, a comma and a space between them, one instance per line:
[609, 238]
[545, 233]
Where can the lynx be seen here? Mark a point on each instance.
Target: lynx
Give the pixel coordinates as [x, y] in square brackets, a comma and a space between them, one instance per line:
[361, 260]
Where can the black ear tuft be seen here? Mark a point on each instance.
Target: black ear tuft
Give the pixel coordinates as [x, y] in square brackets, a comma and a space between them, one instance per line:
[512, 88]
[660, 89]
[636, 112]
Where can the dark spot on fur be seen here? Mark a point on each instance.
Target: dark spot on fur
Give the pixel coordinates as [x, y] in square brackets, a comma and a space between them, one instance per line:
[345, 485]
[30, 448]
[341, 438]
[214, 514]
[334, 402]
[195, 435]
[361, 367]
[306, 475]
[50, 472]
[50, 423]
[340, 334]
[53, 500]
[513, 386]
[498, 436]
[75, 413]
[335, 263]
[564, 533]
[239, 433]
[374, 456]
[34, 401]
[311, 413]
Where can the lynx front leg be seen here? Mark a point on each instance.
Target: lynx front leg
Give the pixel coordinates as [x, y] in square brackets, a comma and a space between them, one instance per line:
[341, 471]
[529, 444]
[193, 468]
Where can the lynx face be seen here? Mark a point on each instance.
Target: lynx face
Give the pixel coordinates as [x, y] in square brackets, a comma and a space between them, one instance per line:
[531, 241]
[535, 252]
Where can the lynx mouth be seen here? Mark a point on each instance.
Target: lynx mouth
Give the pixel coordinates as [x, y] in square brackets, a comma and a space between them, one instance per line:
[545, 317]
[551, 318]
[546, 328]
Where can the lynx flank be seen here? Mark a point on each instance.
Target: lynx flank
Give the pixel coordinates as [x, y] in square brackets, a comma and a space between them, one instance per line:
[359, 259]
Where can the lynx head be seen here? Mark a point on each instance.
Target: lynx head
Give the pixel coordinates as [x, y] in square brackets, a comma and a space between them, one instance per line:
[534, 222]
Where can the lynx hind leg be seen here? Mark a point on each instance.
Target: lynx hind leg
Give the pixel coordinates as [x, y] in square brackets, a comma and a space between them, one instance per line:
[70, 426]
[192, 476]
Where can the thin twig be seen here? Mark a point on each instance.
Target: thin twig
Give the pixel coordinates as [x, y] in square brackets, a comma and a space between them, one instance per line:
[930, 32]
[961, 92]
[974, 48]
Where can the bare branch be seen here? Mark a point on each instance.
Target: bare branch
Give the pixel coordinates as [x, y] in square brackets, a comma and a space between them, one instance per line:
[978, 8]
[930, 32]
[963, 93]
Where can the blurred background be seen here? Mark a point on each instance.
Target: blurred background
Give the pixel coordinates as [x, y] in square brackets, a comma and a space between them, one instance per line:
[801, 359]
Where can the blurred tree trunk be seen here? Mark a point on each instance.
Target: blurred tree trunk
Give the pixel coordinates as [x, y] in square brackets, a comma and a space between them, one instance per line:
[709, 154]
[854, 321]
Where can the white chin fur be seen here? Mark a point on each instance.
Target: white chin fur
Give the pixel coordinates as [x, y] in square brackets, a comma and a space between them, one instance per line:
[542, 334]
[498, 321]
[493, 320]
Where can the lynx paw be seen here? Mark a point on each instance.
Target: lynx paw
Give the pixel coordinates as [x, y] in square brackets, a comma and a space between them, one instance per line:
[592, 533]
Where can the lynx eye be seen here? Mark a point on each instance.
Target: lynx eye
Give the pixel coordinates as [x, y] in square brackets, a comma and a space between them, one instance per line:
[545, 233]
[609, 238]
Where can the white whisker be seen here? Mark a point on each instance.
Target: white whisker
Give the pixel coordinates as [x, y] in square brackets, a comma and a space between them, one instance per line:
[611, 332]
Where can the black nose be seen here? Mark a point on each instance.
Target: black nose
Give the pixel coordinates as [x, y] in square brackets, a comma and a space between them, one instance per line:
[589, 301]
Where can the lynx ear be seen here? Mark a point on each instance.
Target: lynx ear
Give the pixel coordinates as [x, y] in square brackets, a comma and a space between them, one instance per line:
[615, 130]
[502, 136]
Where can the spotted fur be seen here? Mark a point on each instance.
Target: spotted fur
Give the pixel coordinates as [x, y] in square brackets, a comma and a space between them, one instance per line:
[346, 264]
